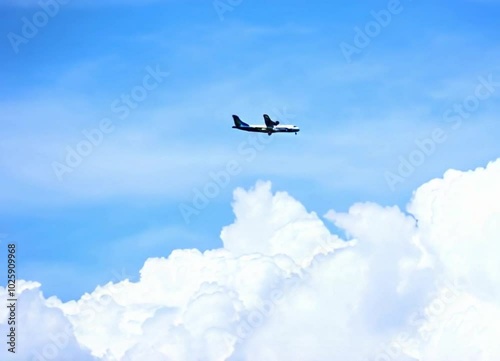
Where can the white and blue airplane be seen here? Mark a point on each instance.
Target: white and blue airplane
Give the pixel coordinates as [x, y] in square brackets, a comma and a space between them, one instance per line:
[270, 127]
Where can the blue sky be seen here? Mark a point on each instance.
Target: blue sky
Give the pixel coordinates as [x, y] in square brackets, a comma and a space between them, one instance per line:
[121, 205]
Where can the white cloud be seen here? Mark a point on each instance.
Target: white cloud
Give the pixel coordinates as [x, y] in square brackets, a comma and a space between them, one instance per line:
[43, 332]
[276, 224]
[420, 285]
[459, 223]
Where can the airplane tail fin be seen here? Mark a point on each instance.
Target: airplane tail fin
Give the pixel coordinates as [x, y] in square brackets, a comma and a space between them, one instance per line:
[238, 122]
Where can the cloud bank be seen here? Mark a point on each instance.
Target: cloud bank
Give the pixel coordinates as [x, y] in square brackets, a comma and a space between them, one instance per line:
[420, 284]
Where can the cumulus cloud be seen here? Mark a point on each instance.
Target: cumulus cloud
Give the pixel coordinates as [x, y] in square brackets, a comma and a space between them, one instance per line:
[414, 284]
[43, 331]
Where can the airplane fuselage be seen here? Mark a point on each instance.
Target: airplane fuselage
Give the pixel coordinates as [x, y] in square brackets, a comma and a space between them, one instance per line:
[269, 130]
[270, 126]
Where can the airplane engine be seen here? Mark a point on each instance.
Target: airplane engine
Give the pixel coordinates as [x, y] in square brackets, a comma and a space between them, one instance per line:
[276, 123]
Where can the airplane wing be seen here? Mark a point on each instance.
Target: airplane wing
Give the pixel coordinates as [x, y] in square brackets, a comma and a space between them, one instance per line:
[269, 122]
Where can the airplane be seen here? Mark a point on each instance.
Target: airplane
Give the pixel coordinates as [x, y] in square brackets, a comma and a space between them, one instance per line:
[270, 127]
